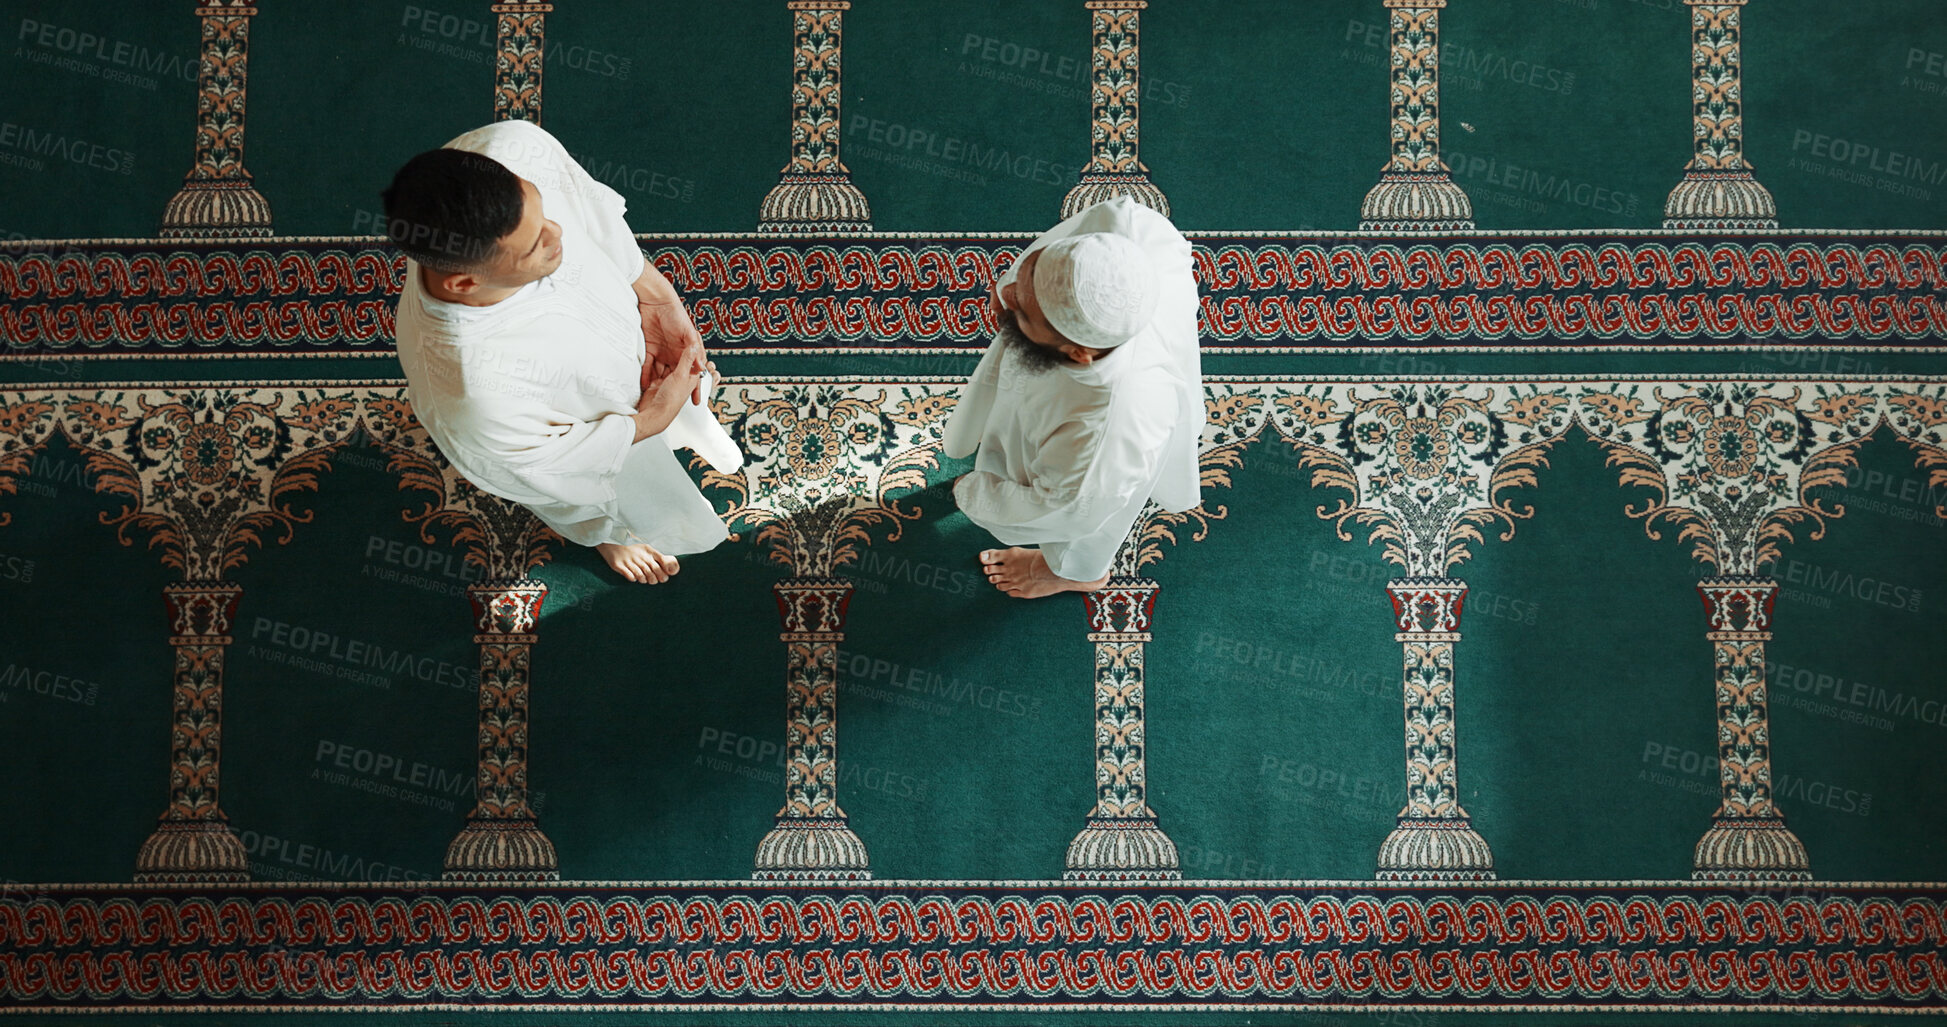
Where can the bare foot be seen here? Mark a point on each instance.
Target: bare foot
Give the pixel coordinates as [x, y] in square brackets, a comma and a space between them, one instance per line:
[638, 563]
[1024, 574]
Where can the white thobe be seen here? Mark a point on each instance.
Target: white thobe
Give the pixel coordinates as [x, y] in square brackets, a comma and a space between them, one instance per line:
[532, 398]
[1068, 457]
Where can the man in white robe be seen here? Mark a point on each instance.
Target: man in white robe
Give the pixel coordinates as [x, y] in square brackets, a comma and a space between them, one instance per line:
[1088, 404]
[550, 363]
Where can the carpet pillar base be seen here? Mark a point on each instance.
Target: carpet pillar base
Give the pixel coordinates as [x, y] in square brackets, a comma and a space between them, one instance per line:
[1096, 188]
[1435, 850]
[501, 850]
[1711, 200]
[811, 849]
[209, 209]
[814, 203]
[1416, 201]
[188, 851]
[1122, 849]
[1746, 849]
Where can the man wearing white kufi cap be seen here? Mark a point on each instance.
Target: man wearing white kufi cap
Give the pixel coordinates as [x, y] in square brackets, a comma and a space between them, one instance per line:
[1088, 404]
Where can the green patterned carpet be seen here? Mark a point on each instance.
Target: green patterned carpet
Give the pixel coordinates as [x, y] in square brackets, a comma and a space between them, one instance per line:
[1551, 646]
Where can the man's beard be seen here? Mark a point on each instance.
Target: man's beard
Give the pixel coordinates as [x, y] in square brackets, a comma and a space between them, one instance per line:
[1035, 358]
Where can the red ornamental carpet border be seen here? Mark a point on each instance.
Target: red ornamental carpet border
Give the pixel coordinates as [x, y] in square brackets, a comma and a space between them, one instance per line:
[1530, 946]
[1261, 292]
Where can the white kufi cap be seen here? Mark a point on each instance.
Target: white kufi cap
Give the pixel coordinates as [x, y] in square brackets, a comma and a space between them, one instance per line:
[1097, 289]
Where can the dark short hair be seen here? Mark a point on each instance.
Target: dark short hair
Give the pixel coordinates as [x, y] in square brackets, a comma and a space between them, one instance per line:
[449, 209]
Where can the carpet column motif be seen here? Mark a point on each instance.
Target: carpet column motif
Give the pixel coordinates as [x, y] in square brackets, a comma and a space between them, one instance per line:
[217, 197]
[193, 840]
[518, 60]
[814, 192]
[1121, 841]
[824, 465]
[1434, 840]
[501, 841]
[1718, 190]
[812, 839]
[1733, 466]
[1747, 837]
[1416, 192]
[1115, 97]
[205, 472]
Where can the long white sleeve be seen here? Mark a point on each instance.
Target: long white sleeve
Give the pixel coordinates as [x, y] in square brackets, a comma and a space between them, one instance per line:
[526, 447]
[1080, 477]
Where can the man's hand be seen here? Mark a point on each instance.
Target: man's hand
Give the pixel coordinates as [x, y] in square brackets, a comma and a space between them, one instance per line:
[663, 397]
[668, 337]
[667, 331]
